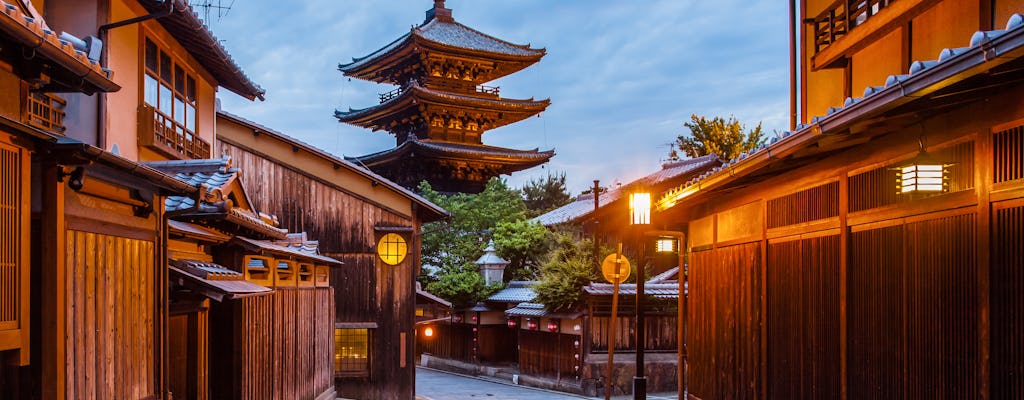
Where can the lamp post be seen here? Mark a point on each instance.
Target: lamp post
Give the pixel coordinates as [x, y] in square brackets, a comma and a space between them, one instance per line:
[640, 218]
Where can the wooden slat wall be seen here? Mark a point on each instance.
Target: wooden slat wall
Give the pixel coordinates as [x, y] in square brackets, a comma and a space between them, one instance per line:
[257, 337]
[812, 204]
[912, 297]
[497, 343]
[324, 337]
[724, 335]
[661, 332]
[1008, 301]
[547, 354]
[803, 317]
[11, 235]
[285, 359]
[110, 317]
[864, 193]
[1008, 154]
[451, 341]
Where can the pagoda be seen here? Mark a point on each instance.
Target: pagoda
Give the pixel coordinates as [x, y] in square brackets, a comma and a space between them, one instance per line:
[441, 109]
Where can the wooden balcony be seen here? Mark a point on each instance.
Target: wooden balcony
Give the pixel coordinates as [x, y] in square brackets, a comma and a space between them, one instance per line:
[841, 17]
[45, 111]
[165, 135]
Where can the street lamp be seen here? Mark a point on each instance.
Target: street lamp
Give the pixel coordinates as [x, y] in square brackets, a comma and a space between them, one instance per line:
[639, 217]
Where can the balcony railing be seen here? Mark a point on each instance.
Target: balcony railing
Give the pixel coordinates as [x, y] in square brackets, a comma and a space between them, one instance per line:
[160, 132]
[45, 111]
[390, 95]
[841, 17]
[444, 84]
[492, 90]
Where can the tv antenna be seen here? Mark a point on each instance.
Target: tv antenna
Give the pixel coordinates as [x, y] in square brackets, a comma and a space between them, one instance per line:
[213, 8]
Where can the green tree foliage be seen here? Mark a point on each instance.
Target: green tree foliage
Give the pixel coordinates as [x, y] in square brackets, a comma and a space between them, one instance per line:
[543, 195]
[462, 287]
[523, 243]
[567, 271]
[726, 138]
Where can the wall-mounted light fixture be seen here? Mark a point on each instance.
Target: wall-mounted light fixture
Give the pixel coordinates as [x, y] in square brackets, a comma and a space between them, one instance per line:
[512, 323]
[553, 325]
[665, 245]
[923, 174]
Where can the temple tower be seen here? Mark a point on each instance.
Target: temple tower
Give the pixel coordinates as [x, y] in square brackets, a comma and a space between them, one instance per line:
[441, 108]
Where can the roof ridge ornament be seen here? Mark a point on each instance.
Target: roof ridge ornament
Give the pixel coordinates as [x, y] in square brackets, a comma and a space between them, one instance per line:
[439, 12]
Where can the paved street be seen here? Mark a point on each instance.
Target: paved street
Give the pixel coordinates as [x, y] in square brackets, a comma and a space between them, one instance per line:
[436, 385]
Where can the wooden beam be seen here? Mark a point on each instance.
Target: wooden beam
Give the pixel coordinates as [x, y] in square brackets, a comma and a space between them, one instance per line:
[53, 321]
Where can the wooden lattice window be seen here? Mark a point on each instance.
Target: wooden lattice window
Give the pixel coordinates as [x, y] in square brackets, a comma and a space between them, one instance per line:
[812, 204]
[169, 90]
[1008, 154]
[878, 187]
[352, 352]
[45, 111]
[12, 210]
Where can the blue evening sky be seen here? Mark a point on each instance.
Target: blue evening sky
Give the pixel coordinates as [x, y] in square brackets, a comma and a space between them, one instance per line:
[622, 76]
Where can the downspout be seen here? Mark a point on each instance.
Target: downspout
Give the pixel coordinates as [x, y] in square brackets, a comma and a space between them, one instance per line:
[101, 101]
[792, 65]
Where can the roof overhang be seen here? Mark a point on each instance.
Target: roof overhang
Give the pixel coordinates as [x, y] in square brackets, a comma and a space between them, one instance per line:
[218, 289]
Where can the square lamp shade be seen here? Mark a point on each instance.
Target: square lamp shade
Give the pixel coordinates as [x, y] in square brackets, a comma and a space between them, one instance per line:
[665, 245]
[923, 175]
[640, 208]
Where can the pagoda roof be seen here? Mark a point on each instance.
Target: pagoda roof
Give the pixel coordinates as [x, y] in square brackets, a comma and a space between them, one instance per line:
[511, 159]
[441, 33]
[413, 95]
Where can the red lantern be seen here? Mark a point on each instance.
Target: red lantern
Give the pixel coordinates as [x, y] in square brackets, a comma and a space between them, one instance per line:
[474, 317]
[531, 324]
[553, 325]
[457, 318]
[512, 323]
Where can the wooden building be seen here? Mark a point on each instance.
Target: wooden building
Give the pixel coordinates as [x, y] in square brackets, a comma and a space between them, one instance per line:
[441, 109]
[84, 271]
[822, 265]
[360, 218]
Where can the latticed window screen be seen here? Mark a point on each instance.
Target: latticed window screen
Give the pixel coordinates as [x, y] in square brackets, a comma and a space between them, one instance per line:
[1008, 154]
[10, 230]
[392, 248]
[352, 351]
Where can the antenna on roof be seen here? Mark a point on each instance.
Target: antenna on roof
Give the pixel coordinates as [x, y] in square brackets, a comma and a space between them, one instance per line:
[209, 6]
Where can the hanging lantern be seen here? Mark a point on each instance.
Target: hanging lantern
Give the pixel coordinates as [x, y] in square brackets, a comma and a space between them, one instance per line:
[457, 318]
[553, 325]
[512, 323]
[665, 245]
[428, 332]
[576, 343]
[531, 324]
[576, 328]
[474, 318]
[923, 174]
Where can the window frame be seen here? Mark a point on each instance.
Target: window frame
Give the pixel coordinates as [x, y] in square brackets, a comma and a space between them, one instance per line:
[364, 372]
[186, 91]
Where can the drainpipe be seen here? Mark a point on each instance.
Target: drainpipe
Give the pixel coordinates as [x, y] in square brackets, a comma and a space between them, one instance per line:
[101, 101]
[792, 65]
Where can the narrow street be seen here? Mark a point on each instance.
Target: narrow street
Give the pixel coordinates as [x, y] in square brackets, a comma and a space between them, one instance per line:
[437, 385]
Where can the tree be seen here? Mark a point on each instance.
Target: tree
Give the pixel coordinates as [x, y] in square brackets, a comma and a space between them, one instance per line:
[523, 243]
[562, 278]
[462, 287]
[726, 138]
[543, 195]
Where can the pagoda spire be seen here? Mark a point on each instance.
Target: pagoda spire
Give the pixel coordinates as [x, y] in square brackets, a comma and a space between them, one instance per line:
[439, 12]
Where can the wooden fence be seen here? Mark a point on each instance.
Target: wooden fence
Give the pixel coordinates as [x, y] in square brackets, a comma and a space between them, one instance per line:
[547, 354]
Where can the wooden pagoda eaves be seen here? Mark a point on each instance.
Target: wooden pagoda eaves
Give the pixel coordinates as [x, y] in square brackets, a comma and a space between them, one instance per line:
[441, 47]
[417, 108]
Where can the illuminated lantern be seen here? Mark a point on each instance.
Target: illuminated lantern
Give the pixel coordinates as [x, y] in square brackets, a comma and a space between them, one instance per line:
[474, 318]
[665, 245]
[576, 344]
[640, 208]
[553, 325]
[531, 324]
[428, 332]
[512, 323]
[457, 318]
[576, 327]
[923, 175]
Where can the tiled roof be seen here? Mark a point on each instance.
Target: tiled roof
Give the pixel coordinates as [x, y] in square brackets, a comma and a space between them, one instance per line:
[214, 280]
[196, 37]
[271, 247]
[500, 155]
[342, 163]
[537, 310]
[659, 290]
[584, 204]
[448, 33]
[923, 77]
[35, 35]
[413, 93]
[431, 297]
[185, 228]
[515, 292]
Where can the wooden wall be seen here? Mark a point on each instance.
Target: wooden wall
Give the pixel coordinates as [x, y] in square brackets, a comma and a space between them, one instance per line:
[110, 317]
[368, 290]
[660, 332]
[277, 345]
[451, 341]
[547, 354]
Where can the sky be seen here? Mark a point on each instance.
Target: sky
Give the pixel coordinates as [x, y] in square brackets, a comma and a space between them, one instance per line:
[622, 76]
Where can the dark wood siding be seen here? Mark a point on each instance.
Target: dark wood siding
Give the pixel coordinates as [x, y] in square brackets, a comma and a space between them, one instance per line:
[912, 308]
[803, 317]
[547, 354]
[812, 204]
[1008, 301]
[724, 335]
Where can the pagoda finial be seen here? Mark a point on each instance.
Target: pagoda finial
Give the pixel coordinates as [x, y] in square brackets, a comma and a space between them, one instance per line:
[439, 12]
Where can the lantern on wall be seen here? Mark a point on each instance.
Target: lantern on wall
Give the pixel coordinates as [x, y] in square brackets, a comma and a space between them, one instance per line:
[640, 208]
[475, 318]
[665, 245]
[428, 332]
[531, 324]
[553, 325]
[457, 318]
[923, 174]
[512, 323]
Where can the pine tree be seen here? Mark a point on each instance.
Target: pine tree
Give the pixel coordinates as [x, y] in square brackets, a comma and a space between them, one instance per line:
[726, 138]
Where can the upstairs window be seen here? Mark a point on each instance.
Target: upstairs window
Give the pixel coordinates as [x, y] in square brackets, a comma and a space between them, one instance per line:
[169, 88]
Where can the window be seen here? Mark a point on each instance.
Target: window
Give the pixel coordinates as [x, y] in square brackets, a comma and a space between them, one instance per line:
[169, 88]
[351, 352]
[392, 248]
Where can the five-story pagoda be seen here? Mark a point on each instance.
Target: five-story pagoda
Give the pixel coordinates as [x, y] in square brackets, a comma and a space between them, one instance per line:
[441, 109]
